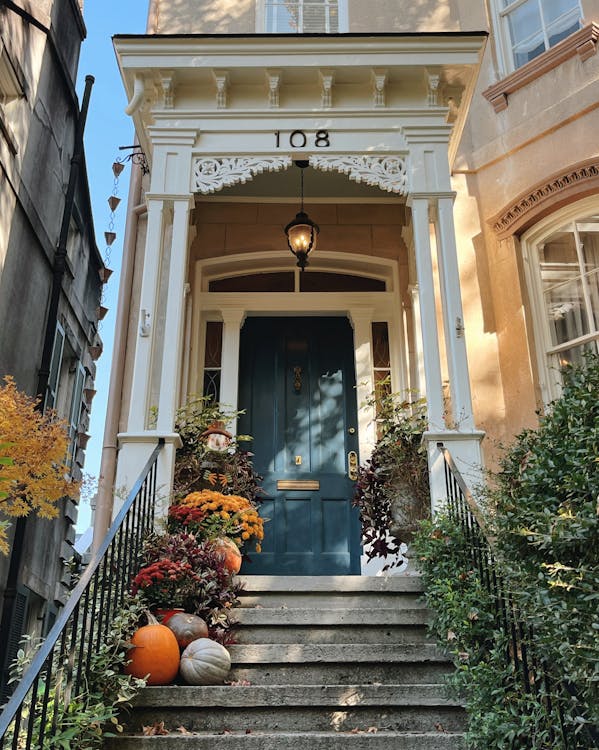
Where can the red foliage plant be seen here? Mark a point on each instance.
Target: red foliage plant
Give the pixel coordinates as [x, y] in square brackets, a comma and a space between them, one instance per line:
[166, 583]
[184, 518]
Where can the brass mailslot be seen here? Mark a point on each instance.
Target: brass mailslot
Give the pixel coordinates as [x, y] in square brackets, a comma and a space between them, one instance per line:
[298, 484]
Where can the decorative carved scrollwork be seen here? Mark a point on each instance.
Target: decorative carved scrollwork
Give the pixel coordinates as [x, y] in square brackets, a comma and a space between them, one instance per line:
[385, 172]
[213, 174]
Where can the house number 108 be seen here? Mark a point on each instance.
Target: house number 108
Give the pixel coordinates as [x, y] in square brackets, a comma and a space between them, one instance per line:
[299, 139]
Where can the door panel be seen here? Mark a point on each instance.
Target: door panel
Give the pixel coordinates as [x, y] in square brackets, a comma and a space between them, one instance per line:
[297, 384]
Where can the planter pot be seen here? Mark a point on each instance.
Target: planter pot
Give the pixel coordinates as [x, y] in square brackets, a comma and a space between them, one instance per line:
[405, 514]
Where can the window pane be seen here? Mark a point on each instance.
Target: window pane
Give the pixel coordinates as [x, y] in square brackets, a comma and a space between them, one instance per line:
[321, 281]
[380, 346]
[563, 289]
[562, 27]
[588, 230]
[526, 32]
[301, 16]
[559, 10]
[282, 17]
[567, 312]
[212, 384]
[574, 356]
[255, 282]
[214, 340]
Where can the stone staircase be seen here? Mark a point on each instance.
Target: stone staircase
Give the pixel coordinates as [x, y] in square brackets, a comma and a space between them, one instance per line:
[333, 663]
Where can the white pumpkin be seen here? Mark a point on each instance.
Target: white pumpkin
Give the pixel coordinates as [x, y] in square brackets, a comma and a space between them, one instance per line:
[205, 662]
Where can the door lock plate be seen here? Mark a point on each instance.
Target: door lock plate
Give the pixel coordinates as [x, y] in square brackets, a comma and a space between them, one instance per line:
[352, 465]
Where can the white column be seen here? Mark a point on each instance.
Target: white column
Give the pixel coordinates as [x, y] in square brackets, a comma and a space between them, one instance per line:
[418, 364]
[138, 409]
[362, 324]
[428, 316]
[229, 384]
[453, 316]
[170, 377]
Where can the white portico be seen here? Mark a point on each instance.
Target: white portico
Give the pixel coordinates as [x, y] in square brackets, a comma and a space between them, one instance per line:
[222, 120]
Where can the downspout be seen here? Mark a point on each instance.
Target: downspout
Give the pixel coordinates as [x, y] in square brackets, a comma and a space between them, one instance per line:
[105, 499]
[16, 556]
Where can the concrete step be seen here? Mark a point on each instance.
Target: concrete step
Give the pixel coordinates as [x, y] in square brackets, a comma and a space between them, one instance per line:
[313, 617]
[358, 740]
[392, 635]
[235, 696]
[332, 600]
[337, 653]
[305, 719]
[328, 663]
[330, 585]
[298, 708]
[347, 673]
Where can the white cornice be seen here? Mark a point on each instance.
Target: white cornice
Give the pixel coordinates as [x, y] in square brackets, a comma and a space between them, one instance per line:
[429, 46]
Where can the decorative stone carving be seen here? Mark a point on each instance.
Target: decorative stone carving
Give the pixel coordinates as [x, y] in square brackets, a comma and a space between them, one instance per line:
[327, 78]
[274, 82]
[221, 78]
[168, 90]
[527, 207]
[388, 173]
[379, 80]
[213, 174]
[433, 81]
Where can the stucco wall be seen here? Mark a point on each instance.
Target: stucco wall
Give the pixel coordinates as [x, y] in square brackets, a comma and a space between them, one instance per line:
[228, 228]
[240, 16]
[549, 125]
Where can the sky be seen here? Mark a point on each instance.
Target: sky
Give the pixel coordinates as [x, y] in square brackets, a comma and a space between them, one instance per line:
[107, 128]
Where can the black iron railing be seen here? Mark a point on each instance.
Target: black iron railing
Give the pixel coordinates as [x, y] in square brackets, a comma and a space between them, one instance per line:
[532, 674]
[60, 668]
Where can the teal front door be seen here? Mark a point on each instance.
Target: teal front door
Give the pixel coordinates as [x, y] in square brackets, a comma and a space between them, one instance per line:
[297, 385]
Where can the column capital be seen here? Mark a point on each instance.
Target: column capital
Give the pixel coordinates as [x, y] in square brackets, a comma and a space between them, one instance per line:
[432, 196]
[233, 315]
[360, 315]
[188, 198]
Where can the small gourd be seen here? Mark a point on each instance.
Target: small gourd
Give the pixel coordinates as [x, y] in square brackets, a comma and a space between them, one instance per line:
[154, 653]
[187, 628]
[229, 553]
[205, 662]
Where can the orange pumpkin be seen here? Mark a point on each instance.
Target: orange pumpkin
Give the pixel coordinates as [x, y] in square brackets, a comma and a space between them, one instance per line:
[154, 653]
[229, 553]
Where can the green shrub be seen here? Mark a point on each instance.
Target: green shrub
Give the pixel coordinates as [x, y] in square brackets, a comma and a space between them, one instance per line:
[543, 514]
[546, 519]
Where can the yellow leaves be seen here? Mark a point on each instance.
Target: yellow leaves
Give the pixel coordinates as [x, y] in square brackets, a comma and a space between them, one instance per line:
[35, 476]
[4, 537]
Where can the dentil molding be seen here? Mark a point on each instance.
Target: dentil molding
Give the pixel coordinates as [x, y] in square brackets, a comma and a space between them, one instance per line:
[561, 188]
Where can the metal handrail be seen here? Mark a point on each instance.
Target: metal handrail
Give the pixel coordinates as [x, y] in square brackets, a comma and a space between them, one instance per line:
[134, 520]
[530, 668]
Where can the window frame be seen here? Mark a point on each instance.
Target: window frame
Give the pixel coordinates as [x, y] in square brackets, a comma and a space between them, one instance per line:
[547, 353]
[342, 15]
[504, 38]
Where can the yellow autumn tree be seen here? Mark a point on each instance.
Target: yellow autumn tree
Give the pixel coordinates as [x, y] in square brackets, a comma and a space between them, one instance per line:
[33, 446]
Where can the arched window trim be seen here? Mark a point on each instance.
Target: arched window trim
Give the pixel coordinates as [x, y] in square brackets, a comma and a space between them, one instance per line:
[547, 353]
[329, 262]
